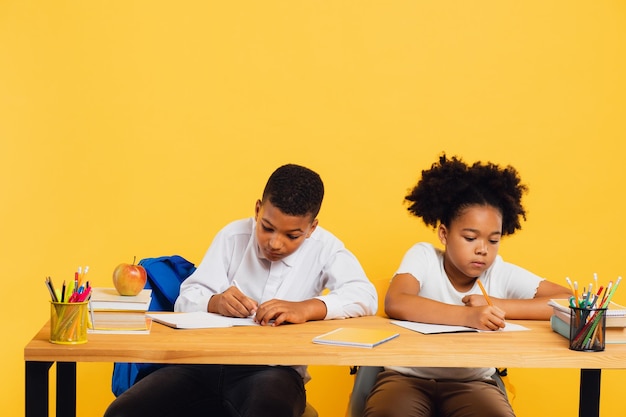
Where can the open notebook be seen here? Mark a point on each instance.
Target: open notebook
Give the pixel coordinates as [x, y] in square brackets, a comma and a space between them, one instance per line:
[426, 328]
[199, 320]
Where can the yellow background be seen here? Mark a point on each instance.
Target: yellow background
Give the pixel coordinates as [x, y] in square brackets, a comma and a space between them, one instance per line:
[139, 128]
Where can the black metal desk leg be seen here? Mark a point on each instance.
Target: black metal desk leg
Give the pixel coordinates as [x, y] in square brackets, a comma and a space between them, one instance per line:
[66, 389]
[37, 401]
[589, 400]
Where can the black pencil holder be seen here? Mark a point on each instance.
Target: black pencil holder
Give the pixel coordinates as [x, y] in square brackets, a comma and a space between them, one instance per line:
[587, 330]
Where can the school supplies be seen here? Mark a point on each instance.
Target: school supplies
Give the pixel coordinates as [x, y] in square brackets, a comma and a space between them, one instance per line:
[199, 320]
[613, 335]
[165, 274]
[588, 313]
[364, 338]
[68, 310]
[482, 289]
[110, 300]
[587, 329]
[68, 323]
[112, 313]
[427, 328]
[615, 313]
[592, 297]
[74, 293]
[119, 322]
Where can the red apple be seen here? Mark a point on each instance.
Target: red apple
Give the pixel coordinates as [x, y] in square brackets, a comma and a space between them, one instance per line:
[129, 279]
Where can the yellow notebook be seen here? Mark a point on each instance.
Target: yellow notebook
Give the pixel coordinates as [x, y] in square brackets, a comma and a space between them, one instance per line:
[367, 338]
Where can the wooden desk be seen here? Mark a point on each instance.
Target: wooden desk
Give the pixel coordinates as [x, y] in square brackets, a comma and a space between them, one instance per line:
[292, 345]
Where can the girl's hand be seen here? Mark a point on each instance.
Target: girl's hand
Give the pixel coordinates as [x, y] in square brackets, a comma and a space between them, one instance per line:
[475, 300]
[486, 318]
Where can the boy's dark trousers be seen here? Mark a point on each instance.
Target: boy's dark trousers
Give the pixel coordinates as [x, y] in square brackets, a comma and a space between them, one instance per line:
[215, 391]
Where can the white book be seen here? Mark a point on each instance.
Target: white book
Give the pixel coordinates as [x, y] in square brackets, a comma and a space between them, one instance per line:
[199, 320]
[110, 299]
[614, 309]
[611, 320]
[427, 328]
[119, 320]
[121, 327]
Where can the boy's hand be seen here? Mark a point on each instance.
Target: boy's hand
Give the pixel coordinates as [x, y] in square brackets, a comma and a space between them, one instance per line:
[281, 311]
[232, 303]
[486, 318]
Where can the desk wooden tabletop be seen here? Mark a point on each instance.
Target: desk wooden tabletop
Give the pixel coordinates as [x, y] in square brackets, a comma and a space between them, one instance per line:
[292, 345]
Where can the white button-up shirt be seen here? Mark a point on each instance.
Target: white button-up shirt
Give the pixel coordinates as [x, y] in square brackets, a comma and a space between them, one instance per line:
[321, 262]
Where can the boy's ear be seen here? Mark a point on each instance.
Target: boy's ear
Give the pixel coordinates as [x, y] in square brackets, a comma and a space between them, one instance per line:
[257, 209]
[442, 232]
[312, 229]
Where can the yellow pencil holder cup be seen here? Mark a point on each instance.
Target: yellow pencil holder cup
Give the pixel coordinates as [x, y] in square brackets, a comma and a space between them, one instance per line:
[68, 323]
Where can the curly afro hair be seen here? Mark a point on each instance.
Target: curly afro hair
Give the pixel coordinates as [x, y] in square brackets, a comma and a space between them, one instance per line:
[450, 186]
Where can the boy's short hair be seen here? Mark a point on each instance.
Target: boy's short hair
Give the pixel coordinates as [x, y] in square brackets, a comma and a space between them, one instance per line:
[295, 190]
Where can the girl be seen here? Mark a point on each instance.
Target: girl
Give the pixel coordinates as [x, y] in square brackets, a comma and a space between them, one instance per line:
[472, 208]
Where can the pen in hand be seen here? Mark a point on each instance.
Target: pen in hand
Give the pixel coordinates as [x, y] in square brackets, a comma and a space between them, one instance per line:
[484, 291]
[236, 285]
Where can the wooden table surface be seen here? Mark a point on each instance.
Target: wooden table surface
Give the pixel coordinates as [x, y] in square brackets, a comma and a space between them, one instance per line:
[292, 345]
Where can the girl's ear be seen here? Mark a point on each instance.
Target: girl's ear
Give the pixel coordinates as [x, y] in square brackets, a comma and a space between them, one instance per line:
[442, 232]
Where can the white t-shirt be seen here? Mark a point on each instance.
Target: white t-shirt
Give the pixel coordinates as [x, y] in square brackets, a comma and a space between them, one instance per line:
[501, 280]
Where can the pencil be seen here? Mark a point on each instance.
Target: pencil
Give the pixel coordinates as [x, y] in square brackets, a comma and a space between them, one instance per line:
[480, 284]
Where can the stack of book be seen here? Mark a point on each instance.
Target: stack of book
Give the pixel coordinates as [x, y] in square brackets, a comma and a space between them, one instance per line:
[112, 313]
[615, 320]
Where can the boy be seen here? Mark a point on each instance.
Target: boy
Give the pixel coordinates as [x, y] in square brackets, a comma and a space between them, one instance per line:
[273, 266]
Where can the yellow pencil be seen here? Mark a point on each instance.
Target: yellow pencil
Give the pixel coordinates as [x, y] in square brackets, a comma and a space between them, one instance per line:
[480, 284]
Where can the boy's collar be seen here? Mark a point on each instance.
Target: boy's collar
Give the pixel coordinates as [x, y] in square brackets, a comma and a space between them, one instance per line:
[287, 260]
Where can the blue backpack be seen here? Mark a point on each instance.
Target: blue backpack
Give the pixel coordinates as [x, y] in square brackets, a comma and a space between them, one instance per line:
[165, 274]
